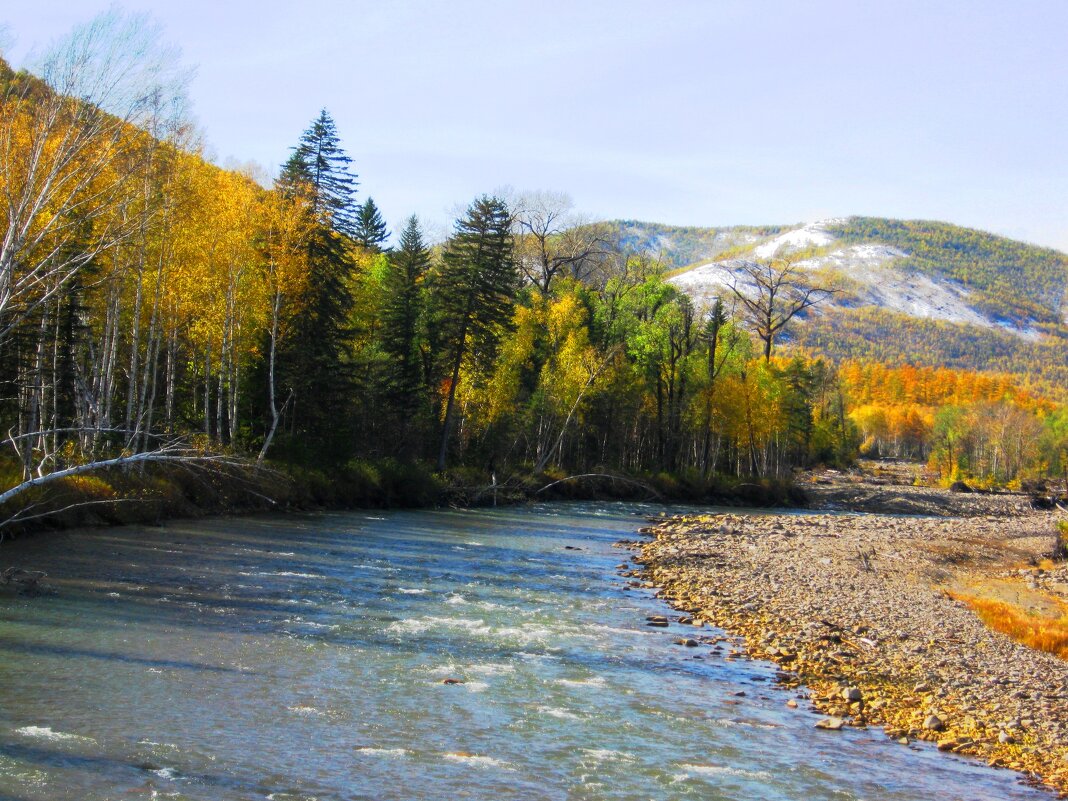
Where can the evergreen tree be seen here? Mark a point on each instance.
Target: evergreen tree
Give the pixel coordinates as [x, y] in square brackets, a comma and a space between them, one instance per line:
[402, 314]
[320, 168]
[477, 288]
[370, 229]
[314, 366]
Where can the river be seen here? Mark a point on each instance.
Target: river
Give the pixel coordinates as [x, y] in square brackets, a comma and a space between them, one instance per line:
[304, 657]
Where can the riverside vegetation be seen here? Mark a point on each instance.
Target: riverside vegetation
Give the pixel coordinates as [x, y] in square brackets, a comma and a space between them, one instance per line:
[160, 315]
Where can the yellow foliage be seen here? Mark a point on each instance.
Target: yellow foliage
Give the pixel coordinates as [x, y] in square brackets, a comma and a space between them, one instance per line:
[1035, 631]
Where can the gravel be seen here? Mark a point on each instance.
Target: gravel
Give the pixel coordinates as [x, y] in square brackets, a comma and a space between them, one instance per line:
[857, 609]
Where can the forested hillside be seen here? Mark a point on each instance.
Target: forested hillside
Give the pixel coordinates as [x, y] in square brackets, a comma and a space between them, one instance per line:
[156, 309]
[873, 334]
[1012, 280]
[917, 292]
[677, 246]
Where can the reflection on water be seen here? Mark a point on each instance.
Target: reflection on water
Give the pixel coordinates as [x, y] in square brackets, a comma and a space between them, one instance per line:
[417, 655]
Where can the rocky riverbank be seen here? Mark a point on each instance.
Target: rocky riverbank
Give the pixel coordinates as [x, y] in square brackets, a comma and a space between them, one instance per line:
[860, 612]
[893, 487]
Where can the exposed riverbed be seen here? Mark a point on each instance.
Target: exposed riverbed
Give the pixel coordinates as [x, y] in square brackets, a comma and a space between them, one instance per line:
[306, 657]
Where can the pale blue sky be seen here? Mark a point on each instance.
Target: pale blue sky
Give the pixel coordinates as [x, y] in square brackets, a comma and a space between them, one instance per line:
[696, 112]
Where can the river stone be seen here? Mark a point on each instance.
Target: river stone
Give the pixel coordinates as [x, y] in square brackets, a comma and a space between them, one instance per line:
[852, 694]
[830, 724]
[933, 723]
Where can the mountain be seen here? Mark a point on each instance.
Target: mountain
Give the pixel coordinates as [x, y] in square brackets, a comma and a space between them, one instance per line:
[911, 291]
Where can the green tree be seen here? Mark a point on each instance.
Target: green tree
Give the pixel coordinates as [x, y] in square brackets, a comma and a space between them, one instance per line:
[475, 295]
[370, 230]
[403, 316]
[952, 428]
[313, 365]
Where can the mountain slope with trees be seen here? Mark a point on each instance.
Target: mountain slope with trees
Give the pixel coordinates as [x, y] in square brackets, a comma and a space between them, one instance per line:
[917, 291]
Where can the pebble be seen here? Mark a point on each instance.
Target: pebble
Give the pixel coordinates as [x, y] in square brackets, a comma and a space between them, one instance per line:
[934, 723]
[862, 639]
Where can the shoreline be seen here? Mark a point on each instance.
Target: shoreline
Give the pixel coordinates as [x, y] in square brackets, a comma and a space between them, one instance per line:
[856, 611]
[118, 497]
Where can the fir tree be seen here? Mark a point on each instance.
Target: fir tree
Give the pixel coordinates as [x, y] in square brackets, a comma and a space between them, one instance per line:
[370, 229]
[478, 280]
[402, 313]
[320, 167]
[314, 364]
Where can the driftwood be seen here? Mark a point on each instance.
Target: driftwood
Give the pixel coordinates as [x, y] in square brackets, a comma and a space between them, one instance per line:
[625, 480]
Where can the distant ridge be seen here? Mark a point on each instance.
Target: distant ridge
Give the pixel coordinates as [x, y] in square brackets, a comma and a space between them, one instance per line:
[913, 291]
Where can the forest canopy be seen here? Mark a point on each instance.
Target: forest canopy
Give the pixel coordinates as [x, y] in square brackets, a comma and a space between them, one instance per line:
[154, 305]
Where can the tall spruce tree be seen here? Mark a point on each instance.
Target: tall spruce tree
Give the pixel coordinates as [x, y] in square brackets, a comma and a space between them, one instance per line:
[402, 316]
[371, 229]
[313, 366]
[478, 282]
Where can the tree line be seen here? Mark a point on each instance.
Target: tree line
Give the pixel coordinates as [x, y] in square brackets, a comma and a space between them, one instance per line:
[155, 306]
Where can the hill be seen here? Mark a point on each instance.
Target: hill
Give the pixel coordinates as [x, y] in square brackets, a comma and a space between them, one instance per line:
[911, 291]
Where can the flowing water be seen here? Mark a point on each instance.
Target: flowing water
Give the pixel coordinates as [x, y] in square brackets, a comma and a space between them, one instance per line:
[304, 657]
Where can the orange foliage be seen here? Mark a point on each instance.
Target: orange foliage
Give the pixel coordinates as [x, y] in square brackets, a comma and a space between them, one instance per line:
[877, 384]
[1035, 631]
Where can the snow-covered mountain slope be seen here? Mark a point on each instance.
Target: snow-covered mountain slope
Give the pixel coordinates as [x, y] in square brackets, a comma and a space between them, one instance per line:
[886, 275]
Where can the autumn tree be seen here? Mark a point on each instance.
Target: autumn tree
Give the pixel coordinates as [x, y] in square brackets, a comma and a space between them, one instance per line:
[65, 155]
[287, 225]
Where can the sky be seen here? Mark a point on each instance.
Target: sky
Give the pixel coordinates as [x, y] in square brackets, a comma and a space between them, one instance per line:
[687, 112]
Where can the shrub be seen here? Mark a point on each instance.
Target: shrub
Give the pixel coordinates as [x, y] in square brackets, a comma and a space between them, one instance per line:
[1060, 540]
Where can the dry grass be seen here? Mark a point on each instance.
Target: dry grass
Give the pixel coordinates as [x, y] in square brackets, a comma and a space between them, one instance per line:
[1035, 631]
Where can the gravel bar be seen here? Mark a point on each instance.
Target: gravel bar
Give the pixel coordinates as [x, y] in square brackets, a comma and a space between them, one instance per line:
[857, 609]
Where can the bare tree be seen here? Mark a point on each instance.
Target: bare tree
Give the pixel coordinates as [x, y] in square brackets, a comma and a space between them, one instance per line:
[551, 239]
[772, 293]
[64, 156]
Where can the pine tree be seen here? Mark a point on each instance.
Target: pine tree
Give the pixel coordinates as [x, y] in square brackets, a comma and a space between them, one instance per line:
[320, 167]
[370, 229]
[478, 282]
[313, 365]
[402, 314]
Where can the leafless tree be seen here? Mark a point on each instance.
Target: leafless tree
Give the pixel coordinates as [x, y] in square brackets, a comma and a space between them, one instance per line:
[551, 239]
[772, 293]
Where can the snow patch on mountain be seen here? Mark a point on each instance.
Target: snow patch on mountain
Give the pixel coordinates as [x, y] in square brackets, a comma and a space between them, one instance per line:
[810, 235]
[872, 273]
